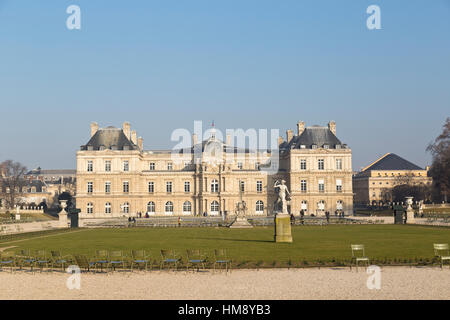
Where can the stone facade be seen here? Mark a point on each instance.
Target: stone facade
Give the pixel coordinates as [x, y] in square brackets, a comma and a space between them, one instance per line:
[117, 177]
[372, 185]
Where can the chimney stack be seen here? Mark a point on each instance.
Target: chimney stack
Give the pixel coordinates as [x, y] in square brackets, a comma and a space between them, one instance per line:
[332, 126]
[194, 139]
[94, 128]
[289, 135]
[280, 140]
[126, 129]
[134, 136]
[300, 127]
[140, 143]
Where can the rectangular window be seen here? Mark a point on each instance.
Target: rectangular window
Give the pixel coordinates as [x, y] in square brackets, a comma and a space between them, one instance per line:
[90, 187]
[90, 166]
[303, 164]
[303, 186]
[126, 166]
[240, 166]
[187, 186]
[321, 186]
[151, 187]
[338, 185]
[108, 187]
[321, 164]
[259, 186]
[169, 187]
[126, 187]
[108, 166]
[170, 166]
[242, 186]
[151, 166]
[257, 164]
[338, 164]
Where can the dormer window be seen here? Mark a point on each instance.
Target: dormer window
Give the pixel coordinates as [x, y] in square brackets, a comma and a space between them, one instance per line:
[338, 146]
[314, 146]
[326, 146]
[114, 147]
[90, 148]
[302, 146]
[101, 148]
[126, 147]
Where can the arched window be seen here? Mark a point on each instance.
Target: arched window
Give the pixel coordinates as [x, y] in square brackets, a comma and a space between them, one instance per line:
[214, 208]
[169, 207]
[259, 207]
[214, 186]
[187, 207]
[304, 205]
[151, 207]
[90, 208]
[339, 205]
[108, 207]
[321, 205]
[126, 207]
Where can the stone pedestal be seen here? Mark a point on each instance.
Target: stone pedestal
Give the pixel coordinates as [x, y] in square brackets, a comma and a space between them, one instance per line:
[409, 211]
[241, 223]
[410, 216]
[63, 222]
[283, 228]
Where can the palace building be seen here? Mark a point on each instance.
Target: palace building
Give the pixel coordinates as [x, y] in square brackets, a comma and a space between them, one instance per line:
[116, 177]
[373, 184]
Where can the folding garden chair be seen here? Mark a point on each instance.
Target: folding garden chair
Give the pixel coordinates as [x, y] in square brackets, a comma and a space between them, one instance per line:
[117, 259]
[195, 258]
[358, 254]
[221, 258]
[41, 260]
[57, 259]
[169, 257]
[83, 262]
[8, 260]
[139, 258]
[101, 259]
[441, 250]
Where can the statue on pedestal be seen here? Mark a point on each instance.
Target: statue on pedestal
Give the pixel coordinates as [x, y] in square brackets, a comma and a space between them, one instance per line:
[282, 191]
[409, 210]
[283, 231]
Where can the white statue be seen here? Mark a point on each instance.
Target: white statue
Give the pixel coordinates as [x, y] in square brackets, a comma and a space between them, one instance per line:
[282, 191]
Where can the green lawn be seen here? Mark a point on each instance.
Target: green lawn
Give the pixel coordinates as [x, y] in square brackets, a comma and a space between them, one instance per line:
[385, 244]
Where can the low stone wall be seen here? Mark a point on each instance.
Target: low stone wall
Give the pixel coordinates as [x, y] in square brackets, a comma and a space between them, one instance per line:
[14, 228]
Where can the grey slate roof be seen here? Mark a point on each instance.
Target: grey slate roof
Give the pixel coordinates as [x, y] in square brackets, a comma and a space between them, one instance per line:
[392, 161]
[109, 138]
[315, 135]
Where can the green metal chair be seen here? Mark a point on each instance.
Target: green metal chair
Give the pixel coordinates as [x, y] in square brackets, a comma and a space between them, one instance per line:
[195, 258]
[169, 257]
[8, 260]
[358, 255]
[441, 250]
[41, 260]
[140, 258]
[221, 258]
[101, 259]
[57, 259]
[117, 259]
[83, 262]
[24, 259]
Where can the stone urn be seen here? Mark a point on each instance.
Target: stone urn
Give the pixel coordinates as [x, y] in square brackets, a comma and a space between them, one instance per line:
[409, 210]
[63, 222]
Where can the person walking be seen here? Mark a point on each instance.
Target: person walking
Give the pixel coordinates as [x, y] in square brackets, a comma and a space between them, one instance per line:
[327, 215]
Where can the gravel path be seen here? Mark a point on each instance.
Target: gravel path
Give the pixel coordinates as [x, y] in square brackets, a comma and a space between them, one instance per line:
[328, 283]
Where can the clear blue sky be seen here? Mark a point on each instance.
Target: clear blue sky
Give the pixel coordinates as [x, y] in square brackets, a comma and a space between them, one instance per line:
[163, 64]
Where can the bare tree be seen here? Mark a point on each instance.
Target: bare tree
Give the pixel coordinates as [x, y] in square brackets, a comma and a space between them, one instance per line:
[440, 169]
[11, 182]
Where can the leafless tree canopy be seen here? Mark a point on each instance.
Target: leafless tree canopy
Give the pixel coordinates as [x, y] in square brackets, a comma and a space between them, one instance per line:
[440, 169]
[11, 182]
